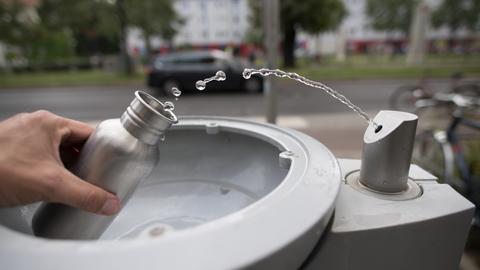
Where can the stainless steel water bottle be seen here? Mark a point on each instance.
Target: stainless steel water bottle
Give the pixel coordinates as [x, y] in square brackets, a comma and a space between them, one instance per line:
[116, 157]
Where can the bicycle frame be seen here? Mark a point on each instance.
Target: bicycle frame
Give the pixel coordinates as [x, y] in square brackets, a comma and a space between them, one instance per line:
[449, 158]
[450, 147]
[456, 149]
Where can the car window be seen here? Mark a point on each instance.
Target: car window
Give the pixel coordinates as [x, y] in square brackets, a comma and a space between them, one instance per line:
[194, 60]
[160, 62]
[199, 62]
[207, 60]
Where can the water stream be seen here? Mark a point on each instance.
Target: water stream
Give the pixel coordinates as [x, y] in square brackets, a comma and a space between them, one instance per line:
[248, 72]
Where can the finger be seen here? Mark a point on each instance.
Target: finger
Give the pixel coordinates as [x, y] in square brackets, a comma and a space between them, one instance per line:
[75, 131]
[69, 154]
[78, 193]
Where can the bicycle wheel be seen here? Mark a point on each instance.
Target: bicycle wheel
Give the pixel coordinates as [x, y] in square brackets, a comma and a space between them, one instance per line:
[429, 154]
[404, 98]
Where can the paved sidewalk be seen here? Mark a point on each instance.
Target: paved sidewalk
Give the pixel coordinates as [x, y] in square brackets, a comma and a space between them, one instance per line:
[342, 133]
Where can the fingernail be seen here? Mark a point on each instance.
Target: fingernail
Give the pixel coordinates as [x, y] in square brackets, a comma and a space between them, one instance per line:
[110, 207]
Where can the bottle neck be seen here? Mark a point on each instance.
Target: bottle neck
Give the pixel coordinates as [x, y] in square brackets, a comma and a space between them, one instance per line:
[140, 129]
[146, 119]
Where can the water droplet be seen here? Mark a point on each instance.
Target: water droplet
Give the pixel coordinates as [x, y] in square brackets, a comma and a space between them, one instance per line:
[200, 85]
[176, 92]
[220, 76]
[247, 73]
[168, 106]
[162, 137]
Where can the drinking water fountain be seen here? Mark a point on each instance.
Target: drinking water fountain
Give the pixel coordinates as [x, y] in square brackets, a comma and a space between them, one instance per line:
[235, 194]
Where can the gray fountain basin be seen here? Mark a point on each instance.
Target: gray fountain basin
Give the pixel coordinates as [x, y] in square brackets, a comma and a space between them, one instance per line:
[226, 194]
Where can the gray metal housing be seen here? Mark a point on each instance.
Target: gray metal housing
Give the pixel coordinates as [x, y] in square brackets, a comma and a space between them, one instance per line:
[233, 194]
[426, 233]
[387, 153]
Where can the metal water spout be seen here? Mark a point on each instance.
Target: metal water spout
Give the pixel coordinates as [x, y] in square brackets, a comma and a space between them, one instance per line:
[387, 152]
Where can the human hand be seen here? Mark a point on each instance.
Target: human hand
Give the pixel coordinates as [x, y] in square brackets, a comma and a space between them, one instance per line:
[31, 167]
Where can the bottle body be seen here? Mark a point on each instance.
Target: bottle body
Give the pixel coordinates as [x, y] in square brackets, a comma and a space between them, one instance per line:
[112, 159]
[116, 157]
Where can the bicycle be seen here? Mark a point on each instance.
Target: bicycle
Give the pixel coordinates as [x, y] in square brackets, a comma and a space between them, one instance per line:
[404, 97]
[443, 152]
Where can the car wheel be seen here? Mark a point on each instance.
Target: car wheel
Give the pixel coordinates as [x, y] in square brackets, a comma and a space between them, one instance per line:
[168, 85]
[253, 85]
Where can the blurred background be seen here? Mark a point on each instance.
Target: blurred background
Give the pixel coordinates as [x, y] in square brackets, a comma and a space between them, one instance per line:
[84, 59]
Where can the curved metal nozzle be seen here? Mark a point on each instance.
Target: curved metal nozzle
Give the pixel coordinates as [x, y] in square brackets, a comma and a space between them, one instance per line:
[387, 153]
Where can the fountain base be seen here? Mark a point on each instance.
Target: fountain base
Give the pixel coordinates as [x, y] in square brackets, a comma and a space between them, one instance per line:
[234, 194]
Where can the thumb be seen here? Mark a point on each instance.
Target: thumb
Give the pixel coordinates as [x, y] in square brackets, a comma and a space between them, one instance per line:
[78, 193]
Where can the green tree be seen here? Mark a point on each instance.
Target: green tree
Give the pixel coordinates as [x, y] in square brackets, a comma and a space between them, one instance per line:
[90, 26]
[254, 34]
[312, 16]
[23, 28]
[391, 15]
[18, 24]
[456, 14]
[121, 12]
[153, 17]
[12, 28]
[472, 17]
[52, 30]
[93, 24]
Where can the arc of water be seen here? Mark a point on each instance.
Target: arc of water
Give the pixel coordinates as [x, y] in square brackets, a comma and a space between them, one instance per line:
[248, 72]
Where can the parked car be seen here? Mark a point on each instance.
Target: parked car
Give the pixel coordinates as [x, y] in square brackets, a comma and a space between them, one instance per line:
[183, 69]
